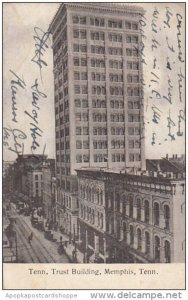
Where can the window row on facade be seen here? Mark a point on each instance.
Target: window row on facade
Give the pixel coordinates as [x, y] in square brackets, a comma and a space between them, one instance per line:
[100, 36]
[116, 157]
[92, 216]
[101, 117]
[103, 131]
[141, 240]
[139, 210]
[101, 50]
[82, 158]
[63, 146]
[63, 132]
[101, 103]
[64, 171]
[91, 194]
[102, 77]
[100, 63]
[102, 22]
[101, 90]
[63, 158]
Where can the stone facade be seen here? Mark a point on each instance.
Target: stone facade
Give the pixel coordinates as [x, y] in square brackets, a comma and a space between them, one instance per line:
[98, 92]
[134, 217]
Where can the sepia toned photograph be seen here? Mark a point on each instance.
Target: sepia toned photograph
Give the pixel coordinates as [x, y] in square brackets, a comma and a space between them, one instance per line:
[93, 135]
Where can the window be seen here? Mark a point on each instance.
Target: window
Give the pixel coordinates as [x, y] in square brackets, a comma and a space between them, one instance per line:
[124, 231]
[84, 103]
[115, 51]
[83, 48]
[83, 62]
[139, 239]
[83, 34]
[84, 75]
[76, 48]
[131, 235]
[36, 177]
[77, 89]
[84, 89]
[114, 24]
[75, 19]
[157, 247]
[85, 117]
[75, 33]
[146, 211]
[85, 130]
[78, 145]
[167, 217]
[130, 206]
[77, 102]
[78, 117]
[76, 62]
[167, 251]
[156, 214]
[76, 76]
[82, 20]
[129, 52]
[127, 25]
[135, 65]
[78, 158]
[135, 26]
[78, 131]
[138, 209]
[115, 37]
[86, 158]
[86, 144]
[97, 22]
[147, 242]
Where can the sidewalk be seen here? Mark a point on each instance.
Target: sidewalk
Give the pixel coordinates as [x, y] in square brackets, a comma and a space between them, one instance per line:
[51, 246]
[69, 247]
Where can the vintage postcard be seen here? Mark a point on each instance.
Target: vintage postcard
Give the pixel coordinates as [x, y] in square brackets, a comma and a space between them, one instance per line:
[93, 145]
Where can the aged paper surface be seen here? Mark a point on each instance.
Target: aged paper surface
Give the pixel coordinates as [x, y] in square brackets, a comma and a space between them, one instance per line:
[29, 121]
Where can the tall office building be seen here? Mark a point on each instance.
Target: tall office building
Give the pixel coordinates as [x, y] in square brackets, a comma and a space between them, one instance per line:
[98, 91]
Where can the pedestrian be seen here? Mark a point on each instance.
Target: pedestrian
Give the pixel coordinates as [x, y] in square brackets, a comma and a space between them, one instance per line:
[73, 255]
[30, 237]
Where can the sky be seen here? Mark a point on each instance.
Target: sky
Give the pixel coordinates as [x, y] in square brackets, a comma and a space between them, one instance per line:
[19, 21]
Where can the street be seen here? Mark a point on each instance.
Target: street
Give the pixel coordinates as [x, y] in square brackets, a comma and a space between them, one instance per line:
[39, 250]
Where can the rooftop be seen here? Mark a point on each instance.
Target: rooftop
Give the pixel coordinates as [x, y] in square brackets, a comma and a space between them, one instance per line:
[111, 7]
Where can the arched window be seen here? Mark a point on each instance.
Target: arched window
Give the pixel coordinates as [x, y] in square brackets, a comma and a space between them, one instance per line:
[131, 235]
[147, 242]
[146, 211]
[112, 200]
[139, 239]
[98, 196]
[167, 217]
[92, 194]
[156, 214]
[167, 251]
[89, 194]
[84, 190]
[157, 249]
[139, 209]
[117, 202]
[124, 204]
[81, 191]
[101, 198]
[131, 206]
[124, 231]
[86, 193]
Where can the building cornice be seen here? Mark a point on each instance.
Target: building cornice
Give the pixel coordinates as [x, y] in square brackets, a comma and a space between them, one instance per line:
[109, 8]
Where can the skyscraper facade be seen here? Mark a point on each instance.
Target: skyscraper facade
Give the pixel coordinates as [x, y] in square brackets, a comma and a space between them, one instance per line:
[98, 92]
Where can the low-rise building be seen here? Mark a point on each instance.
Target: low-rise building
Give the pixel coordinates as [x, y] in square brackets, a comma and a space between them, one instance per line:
[48, 202]
[126, 218]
